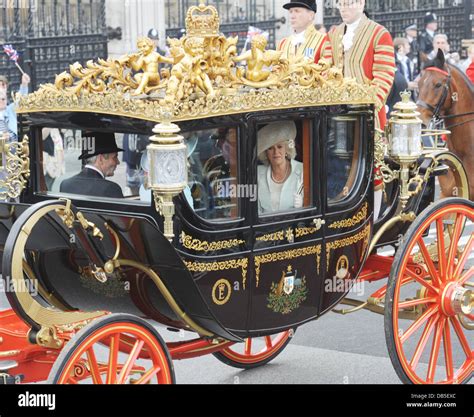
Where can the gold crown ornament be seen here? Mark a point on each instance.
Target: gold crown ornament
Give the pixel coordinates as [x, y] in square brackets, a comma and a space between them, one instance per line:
[202, 21]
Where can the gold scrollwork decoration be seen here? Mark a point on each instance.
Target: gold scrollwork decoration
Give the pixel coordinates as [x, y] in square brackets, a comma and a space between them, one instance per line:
[354, 221]
[202, 80]
[242, 263]
[364, 234]
[286, 255]
[305, 231]
[15, 168]
[202, 246]
[272, 237]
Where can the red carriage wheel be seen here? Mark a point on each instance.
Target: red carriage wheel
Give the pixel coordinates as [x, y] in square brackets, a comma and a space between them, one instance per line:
[430, 297]
[255, 352]
[117, 349]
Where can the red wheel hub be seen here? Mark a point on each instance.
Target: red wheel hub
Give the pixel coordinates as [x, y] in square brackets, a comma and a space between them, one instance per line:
[457, 300]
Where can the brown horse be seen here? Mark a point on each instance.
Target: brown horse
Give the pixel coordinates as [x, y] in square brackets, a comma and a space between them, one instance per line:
[446, 94]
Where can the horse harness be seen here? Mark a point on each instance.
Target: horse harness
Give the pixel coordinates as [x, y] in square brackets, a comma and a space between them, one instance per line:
[437, 118]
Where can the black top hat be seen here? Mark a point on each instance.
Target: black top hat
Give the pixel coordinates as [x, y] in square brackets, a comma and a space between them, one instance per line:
[430, 18]
[308, 4]
[98, 143]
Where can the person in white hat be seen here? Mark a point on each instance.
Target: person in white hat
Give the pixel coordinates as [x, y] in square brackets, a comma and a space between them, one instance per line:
[280, 179]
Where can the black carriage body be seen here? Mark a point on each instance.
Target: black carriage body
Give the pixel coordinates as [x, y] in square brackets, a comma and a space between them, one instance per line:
[229, 276]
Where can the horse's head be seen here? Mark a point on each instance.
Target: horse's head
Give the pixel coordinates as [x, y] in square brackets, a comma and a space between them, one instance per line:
[434, 87]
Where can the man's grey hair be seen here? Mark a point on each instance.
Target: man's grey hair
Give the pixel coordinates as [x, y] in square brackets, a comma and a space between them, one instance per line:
[440, 35]
[92, 160]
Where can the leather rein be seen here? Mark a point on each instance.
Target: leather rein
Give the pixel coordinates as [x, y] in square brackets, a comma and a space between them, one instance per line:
[437, 118]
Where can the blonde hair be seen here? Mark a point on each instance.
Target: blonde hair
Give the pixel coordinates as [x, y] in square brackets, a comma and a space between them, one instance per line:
[290, 153]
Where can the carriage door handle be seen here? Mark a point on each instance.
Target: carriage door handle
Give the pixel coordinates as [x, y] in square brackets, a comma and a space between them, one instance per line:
[318, 223]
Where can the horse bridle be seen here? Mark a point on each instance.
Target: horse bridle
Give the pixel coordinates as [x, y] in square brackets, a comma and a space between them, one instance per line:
[437, 118]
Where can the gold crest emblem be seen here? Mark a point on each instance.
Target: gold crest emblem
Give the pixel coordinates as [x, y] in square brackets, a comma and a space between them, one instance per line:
[221, 292]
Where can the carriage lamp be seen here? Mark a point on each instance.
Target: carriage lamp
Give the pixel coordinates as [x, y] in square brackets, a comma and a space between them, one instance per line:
[405, 131]
[168, 174]
[405, 143]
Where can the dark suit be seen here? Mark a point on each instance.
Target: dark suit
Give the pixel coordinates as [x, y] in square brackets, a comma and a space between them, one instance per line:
[425, 42]
[90, 182]
[400, 84]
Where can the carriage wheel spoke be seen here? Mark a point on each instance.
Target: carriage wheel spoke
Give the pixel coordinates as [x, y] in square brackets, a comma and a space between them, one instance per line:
[137, 347]
[421, 281]
[268, 342]
[448, 351]
[414, 303]
[94, 366]
[248, 346]
[468, 274]
[113, 359]
[441, 249]
[435, 351]
[420, 347]
[150, 374]
[462, 337]
[418, 323]
[429, 262]
[464, 257]
[454, 244]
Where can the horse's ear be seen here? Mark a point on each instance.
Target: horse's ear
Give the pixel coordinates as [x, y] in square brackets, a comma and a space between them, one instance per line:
[440, 59]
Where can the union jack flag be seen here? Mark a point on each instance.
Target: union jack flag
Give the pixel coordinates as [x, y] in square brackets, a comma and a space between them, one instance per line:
[11, 52]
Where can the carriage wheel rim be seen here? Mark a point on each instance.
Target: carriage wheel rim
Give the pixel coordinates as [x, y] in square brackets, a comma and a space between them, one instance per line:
[248, 357]
[116, 373]
[442, 316]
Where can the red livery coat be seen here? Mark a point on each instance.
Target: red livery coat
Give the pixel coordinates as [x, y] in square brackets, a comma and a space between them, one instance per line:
[371, 60]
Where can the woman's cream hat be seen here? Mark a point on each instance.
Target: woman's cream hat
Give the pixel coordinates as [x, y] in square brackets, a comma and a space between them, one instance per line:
[275, 133]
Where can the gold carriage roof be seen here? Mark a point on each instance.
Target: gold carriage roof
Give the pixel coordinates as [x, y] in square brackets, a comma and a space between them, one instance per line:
[204, 80]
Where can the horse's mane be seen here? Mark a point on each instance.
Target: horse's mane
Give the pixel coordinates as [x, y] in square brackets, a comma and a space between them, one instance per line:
[461, 73]
[440, 63]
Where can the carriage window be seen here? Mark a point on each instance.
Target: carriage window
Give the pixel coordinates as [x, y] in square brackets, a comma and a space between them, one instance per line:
[108, 165]
[103, 165]
[285, 165]
[213, 173]
[343, 162]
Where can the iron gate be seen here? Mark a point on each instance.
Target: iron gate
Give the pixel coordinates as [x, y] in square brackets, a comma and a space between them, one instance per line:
[455, 16]
[50, 35]
[236, 17]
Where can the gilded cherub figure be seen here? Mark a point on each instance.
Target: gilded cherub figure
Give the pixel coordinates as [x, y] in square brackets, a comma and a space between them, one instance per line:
[190, 69]
[257, 58]
[147, 61]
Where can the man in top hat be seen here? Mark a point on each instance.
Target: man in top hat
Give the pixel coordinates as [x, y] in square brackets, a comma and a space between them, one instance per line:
[100, 160]
[364, 50]
[305, 41]
[427, 36]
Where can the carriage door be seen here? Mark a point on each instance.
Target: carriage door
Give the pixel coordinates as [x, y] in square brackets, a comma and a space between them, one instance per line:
[349, 198]
[287, 228]
[214, 236]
